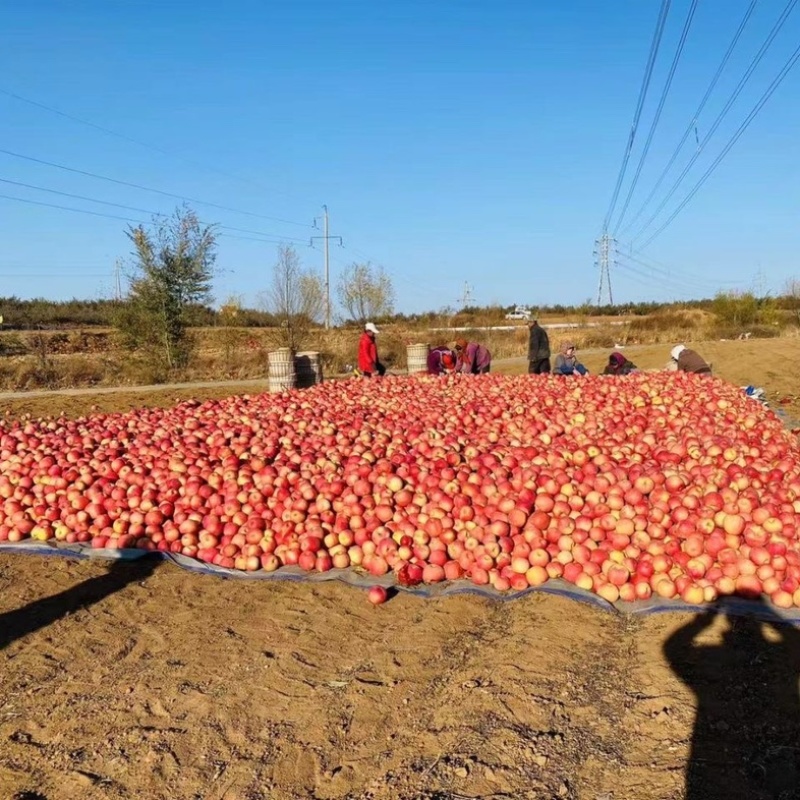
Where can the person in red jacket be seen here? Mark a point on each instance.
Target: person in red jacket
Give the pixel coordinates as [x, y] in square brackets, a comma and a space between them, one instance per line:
[441, 360]
[368, 363]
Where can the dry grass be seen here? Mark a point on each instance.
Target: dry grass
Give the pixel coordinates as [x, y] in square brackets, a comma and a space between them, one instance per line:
[768, 364]
[668, 326]
[34, 360]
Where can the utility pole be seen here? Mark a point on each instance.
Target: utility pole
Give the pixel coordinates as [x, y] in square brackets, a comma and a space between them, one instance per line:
[326, 238]
[117, 281]
[604, 252]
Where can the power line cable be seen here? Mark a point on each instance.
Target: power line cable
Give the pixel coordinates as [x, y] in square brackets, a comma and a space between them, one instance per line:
[659, 108]
[53, 275]
[132, 140]
[664, 269]
[693, 121]
[677, 288]
[645, 280]
[139, 210]
[642, 281]
[666, 280]
[150, 189]
[731, 142]
[722, 114]
[120, 218]
[648, 74]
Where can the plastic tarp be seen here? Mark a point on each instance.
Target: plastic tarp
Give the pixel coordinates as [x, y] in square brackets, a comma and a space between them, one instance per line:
[655, 605]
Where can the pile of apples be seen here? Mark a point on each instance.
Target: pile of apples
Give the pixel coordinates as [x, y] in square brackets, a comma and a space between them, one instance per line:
[652, 484]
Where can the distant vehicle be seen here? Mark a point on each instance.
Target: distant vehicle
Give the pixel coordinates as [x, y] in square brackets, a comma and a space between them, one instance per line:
[519, 312]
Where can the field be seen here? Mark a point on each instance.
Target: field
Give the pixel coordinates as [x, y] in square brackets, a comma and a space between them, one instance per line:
[150, 682]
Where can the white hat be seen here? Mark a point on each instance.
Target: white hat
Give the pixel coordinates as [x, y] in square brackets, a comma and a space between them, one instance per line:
[676, 351]
[370, 326]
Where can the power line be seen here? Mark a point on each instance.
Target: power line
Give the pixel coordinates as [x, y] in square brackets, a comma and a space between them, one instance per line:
[693, 120]
[149, 189]
[665, 91]
[644, 280]
[126, 138]
[671, 272]
[664, 279]
[67, 208]
[138, 210]
[721, 116]
[117, 217]
[676, 288]
[54, 275]
[648, 74]
[731, 142]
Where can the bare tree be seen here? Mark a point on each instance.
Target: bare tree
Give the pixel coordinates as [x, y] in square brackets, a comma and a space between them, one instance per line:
[791, 293]
[173, 270]
[365, 292]
[296, 297]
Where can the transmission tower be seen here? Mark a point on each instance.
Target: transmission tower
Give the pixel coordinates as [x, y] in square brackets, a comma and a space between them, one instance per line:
[604, 253]
[760, 283]
[466, 298]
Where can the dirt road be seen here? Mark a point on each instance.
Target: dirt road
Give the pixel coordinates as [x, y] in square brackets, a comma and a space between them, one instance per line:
[152, 682]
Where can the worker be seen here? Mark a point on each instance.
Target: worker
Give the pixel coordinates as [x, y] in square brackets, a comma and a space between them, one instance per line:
[687, 360]
[368, 363]
[441, 360]
[567, 363]
[472, 358]
[619, 365]
[538, 349]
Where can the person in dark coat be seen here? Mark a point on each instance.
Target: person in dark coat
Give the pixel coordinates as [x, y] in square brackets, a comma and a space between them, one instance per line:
[689, 361]
[619, 365]
[538, 350]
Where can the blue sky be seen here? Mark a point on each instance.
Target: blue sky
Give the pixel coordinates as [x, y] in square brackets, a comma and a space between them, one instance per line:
[452, 141]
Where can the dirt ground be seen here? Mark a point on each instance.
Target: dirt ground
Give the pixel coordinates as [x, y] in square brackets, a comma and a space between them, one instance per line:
[143, 681]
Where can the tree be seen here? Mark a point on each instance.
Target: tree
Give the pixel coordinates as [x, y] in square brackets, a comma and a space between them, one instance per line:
[173, 269]
[791, 295]
[735, 308]
[365, 292]
[232, 333]
[296, 298]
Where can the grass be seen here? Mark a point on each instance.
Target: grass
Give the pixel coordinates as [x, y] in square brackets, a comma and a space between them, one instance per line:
[80, 358]
[754, 362]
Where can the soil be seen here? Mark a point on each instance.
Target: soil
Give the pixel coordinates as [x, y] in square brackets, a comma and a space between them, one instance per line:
[142, 681]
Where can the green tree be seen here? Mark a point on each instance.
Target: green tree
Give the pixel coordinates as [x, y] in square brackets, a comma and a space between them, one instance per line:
[735, 308]
[172, 272]
[365, 292]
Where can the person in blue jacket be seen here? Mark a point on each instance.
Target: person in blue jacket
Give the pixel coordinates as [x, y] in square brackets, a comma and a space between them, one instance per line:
[567, 363]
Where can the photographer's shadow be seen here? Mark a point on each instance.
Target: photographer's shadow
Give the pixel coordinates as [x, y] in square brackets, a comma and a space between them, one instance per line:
[746, 740]
[41, 613]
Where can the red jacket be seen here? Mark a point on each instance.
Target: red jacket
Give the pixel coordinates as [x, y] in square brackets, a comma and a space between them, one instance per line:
[367, 354]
